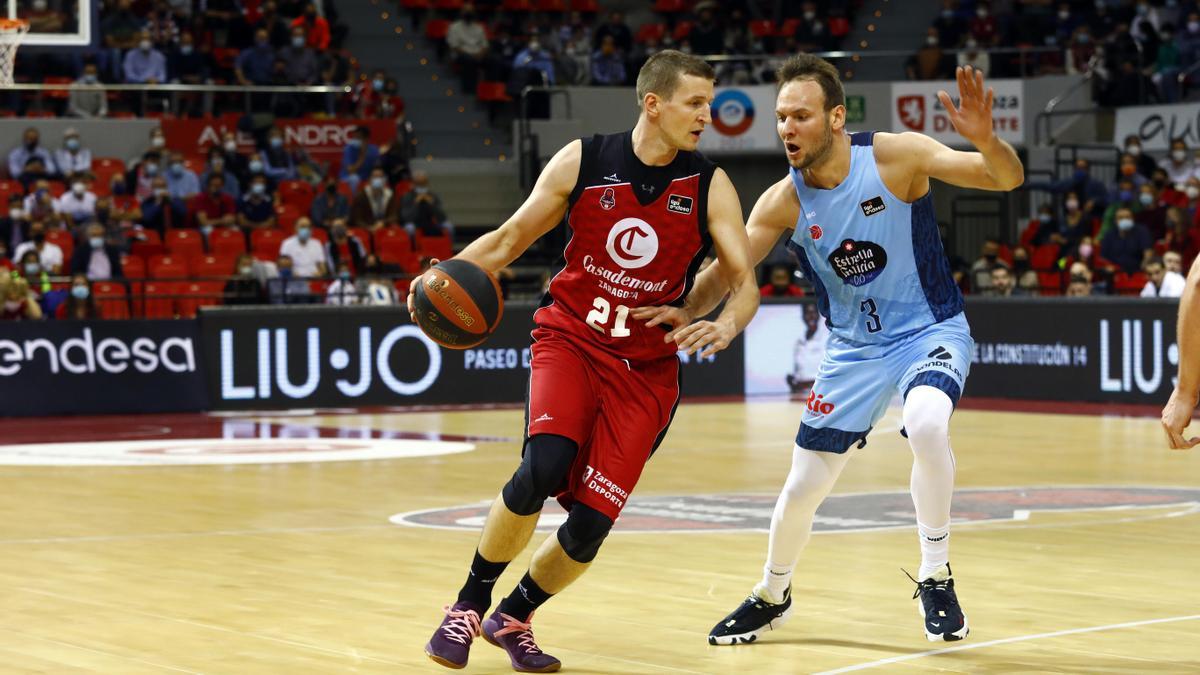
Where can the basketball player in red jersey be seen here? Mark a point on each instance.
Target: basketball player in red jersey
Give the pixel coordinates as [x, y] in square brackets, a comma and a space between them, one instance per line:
[644, 209]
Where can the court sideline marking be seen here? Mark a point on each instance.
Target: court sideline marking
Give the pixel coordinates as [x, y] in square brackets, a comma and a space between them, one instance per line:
[1003, 641]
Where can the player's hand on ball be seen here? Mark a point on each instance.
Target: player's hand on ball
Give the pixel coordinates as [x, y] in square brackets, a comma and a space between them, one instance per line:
[412, 289]
[1176, 416]
[706, 337]
[663, 315]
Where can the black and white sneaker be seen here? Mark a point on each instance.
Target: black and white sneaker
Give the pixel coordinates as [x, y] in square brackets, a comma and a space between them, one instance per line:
[937, 602]
[754, 617]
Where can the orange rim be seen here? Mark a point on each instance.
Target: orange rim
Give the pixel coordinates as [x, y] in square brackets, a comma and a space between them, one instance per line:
[13, 25]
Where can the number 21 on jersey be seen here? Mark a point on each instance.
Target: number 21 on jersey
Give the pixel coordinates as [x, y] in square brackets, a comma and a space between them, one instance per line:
[598, 318]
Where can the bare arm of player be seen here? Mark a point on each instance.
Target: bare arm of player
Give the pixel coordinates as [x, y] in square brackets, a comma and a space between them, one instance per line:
[775, 213]
[994, 167]
[728, 233]
[541, 212]
[1178, 413]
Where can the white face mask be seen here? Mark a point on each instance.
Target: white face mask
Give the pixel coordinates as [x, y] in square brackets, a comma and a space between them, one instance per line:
[144, 45]
[981, 12]
[15, 214]
[1133, 149]
[231, 146]
[78, 188]
[1072, 205]
[12, 305]
[158, 141]
[1178, 155]
[1192, 191]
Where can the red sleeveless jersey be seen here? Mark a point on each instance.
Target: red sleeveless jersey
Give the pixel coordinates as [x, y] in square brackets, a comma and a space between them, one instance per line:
[638, 236]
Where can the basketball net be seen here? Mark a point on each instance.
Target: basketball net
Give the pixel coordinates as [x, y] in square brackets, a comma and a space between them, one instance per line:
[11, 33]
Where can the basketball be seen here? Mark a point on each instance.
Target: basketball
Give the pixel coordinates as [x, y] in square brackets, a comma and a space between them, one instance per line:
[458, 304]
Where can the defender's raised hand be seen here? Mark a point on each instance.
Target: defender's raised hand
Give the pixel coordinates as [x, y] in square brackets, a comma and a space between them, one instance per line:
[972, 119]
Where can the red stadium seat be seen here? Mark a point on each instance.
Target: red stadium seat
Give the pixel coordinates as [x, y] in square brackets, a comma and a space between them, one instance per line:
[264, 244]
[58, 188]
[39, 113]
[147, 243]
[788, 28]
[449, 5]
[585, 6]
[196, 294]
[437, 247]
[839, 26]
[402, 287]
[134, 266]
[297, 193]
[10, 187]
[682, 29]
[364, 235]
[553, 5]
[63, 240]
[157, 300]
[518, 5]
[403, 187]
[393, 245]
[1129, 284]
[213, 265]
[489, 91]
[1044, 257]
[124, 202]
[650, 32]
[762, 28]
[286, 216]
[1050, 283]
[185, 243]
[415, 4]
[168, 267]
[436, 29]
[226, 241]
[112, 299]
[669, 6]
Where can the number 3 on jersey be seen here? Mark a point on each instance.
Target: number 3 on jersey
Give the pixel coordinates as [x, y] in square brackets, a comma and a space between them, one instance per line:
[598, 318]
[873, 323]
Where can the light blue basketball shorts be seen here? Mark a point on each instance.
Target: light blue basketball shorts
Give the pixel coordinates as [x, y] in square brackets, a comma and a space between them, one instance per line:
[855, 382]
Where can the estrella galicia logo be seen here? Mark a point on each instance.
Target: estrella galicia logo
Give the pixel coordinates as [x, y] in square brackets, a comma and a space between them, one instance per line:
[872, 206]
[679, 204]
[858, 262]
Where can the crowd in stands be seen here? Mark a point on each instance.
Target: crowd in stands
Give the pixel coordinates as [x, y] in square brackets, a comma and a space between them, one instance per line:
[1135, 49]
[161, 234]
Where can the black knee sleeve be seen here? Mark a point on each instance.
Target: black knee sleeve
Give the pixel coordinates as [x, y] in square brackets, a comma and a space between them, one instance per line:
[583, 532]
[544, 465]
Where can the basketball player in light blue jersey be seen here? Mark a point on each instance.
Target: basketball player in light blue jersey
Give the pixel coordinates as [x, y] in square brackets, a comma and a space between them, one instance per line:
[865, 234]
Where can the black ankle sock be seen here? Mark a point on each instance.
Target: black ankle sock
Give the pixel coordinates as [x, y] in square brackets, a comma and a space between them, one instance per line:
[483, 576]
[524, 599]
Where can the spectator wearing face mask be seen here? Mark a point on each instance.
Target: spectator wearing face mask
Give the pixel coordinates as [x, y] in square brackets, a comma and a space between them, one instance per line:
[359, 159]
[40, 204]
[95, 257]
[344, 247]
[468, 44]
[79, 203]
[1128, 244]
[316, 27]
[328, 206]
[287, 289]
[421, 210]
[1161, 282]
[49, 254]
[235, 161]
[182, 182]
[1179, 164]
[1023, 273]
[214, 208]
[276, 161]
[14, 226]
[244, 288]
[343, 290]
[1145, 163]
[145, 65]
[254, 65]
[300, 59]
[306, 253]
[1090, 191]
[19, 302]
[162, 211]
[256, 210]
[608, 65]
[217, 166]
[975, 57]
[983, 26]
[80, 304]
[1153, 213]
[981, 269]
[1126, 198]
[376, 205]
[146, 171]
[90, 102]
[29, 149]
[1127, 167]
[72, 158]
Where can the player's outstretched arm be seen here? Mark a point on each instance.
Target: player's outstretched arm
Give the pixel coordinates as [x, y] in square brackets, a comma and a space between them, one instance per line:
[733, 260]
[1178, 413]
[542, 211]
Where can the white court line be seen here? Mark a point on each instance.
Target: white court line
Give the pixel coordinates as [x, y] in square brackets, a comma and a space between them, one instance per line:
[1019, 638]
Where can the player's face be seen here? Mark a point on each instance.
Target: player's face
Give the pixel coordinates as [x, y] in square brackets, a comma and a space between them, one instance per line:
[804, 125]
[689, 110]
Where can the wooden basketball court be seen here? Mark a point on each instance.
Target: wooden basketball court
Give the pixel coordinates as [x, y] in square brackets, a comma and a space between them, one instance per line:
[295, 567]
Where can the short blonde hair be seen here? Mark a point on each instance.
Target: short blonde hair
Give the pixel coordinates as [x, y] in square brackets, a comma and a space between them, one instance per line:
[662, 72]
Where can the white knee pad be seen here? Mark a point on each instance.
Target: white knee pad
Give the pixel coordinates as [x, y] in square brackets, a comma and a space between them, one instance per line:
[926, 416]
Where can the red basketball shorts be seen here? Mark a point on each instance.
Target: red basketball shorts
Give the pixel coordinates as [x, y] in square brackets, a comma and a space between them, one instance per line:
[616, 411]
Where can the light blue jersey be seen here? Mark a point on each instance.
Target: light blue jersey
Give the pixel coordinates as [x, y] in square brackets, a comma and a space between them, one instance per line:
[875, 262]
[883, 284]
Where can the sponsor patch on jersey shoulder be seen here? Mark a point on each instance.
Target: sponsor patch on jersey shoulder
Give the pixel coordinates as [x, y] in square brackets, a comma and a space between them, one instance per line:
[679, 204]
[858, 262]
[872, 206]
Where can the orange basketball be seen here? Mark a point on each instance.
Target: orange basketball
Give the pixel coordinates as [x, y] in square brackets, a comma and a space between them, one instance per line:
[458, 304]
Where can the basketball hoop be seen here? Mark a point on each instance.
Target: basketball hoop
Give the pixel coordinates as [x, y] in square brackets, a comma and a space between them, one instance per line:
[11, 33]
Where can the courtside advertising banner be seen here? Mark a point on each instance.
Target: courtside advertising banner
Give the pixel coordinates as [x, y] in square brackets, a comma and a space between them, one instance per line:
[91, 367]
[916, 107]
[743, 120]
[343, 356]
[1158, 125]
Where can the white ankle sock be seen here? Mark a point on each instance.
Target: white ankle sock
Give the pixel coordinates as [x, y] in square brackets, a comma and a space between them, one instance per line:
[776, 579]
[935, 549]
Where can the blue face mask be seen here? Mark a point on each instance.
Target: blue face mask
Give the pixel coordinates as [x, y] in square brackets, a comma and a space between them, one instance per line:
[377, 84]
[79, 292]
[96, 242]
[256, 166]
[1146, 198]
[206, 229]
[151, 168]
[354, 143]
[259, 188]
[344, 275]
[72, 143]
[276, 142]
[1125, 195]
[285, 273]
[303, 233]
[176, 169]
[186, 50]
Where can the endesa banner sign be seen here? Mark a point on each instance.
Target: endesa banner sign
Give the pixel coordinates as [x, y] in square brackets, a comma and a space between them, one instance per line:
[342, 356]
[1113, 351]
[743, 120]
[916, 107]
[70, 367]
[324, 139]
